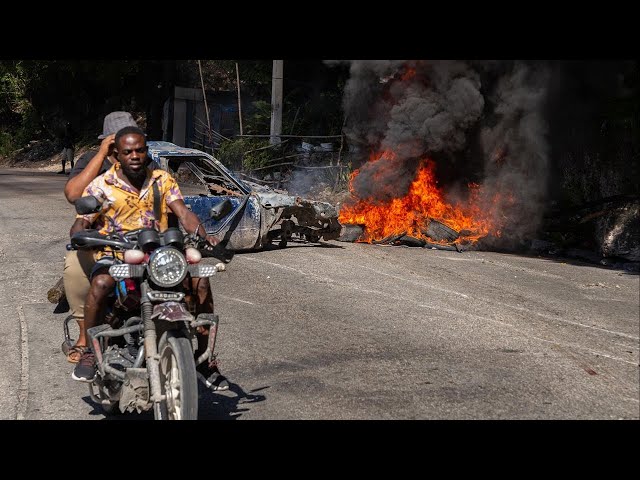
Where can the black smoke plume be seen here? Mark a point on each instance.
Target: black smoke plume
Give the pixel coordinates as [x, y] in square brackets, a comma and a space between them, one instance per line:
[480, 122]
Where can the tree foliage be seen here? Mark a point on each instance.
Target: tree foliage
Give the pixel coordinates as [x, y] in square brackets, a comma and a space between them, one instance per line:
[38, 96]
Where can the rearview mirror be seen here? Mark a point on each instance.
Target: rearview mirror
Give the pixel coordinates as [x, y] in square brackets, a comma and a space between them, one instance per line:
[221, 209]
[87, 205]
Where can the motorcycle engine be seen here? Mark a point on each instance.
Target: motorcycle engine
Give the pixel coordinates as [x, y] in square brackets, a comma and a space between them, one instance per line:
[119, 357]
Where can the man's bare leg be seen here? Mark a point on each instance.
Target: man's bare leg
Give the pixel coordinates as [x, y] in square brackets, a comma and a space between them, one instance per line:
[101, 285]
[203, 298]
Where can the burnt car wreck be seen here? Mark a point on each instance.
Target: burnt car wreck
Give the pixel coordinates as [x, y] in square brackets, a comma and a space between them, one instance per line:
[260, 216]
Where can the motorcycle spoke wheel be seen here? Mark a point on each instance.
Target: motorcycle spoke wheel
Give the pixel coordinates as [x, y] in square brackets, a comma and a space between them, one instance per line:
[178, 379]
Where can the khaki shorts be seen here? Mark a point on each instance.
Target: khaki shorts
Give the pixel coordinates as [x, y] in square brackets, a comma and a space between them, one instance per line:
[76, 274]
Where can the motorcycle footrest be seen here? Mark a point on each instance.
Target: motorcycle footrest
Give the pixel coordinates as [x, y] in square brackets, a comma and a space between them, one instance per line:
[206, 319]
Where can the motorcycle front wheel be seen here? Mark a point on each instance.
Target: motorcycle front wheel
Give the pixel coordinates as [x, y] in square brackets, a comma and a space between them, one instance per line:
[178, 379]
[112, 408]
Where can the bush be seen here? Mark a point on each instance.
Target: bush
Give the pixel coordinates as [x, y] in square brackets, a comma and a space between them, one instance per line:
[258, 118]
[246, 153]
[28, 129]
[7, 144]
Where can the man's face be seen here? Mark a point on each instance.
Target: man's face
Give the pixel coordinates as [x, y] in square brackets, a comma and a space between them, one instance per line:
[131, 152]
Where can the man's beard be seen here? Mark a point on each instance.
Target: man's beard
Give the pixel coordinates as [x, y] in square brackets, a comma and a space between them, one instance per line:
[135, 176]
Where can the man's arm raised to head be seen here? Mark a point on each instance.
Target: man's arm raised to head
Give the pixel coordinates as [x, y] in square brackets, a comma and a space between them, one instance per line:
[76, 185]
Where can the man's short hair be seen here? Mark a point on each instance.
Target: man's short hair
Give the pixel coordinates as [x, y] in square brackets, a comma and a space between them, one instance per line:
[128, 131]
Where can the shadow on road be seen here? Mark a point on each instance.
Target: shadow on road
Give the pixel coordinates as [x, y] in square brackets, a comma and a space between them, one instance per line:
[229, 405]
[62, 306]
[295, 244]
[226, 405]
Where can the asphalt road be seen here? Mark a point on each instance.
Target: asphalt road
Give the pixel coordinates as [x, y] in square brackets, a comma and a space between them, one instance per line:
[348, 331]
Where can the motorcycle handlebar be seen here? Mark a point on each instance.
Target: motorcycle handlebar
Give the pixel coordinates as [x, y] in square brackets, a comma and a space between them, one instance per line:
[92, 239]
[216, 251]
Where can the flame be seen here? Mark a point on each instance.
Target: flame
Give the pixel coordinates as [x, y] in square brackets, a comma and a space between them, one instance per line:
[408, 74]
[423, 202]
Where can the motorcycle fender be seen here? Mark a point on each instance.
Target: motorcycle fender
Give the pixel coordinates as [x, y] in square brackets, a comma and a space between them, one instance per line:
[172, 312]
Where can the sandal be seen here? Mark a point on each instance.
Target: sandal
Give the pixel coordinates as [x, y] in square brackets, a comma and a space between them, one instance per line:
[73, 352]
[66, 346]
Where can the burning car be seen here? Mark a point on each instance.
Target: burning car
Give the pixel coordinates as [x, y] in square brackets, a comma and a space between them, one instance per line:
[260, 215]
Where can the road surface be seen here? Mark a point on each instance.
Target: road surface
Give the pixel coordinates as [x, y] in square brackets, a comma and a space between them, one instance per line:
[348, 331]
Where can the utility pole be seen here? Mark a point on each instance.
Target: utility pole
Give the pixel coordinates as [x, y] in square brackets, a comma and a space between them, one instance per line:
[239, 101]
[276, 101]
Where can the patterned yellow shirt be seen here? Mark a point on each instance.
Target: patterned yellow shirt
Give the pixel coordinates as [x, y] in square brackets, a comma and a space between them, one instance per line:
[128, 209]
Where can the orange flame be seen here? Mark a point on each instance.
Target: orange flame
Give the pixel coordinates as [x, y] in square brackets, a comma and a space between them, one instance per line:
[412, 213]
[408, 74]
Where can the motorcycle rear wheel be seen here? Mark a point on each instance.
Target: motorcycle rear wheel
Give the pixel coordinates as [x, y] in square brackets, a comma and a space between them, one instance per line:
[178, 379]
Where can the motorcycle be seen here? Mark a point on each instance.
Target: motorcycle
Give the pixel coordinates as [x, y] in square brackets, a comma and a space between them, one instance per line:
[145, 349]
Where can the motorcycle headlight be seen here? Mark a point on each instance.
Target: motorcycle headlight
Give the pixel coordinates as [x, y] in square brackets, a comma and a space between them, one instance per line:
[167, 267]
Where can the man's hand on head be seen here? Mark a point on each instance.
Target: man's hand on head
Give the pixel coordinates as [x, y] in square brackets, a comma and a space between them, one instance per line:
[108, 142]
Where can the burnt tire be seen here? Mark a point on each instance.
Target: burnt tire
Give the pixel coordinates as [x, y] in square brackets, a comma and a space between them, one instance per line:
[312, 237]
[177, 379]
[440, 232]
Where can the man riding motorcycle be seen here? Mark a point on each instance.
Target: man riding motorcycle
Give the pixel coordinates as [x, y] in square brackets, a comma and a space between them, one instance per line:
[78, 263]
[127, 191]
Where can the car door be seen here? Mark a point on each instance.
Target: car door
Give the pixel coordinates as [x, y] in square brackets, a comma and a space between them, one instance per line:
[203, 186]
[241, 227]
